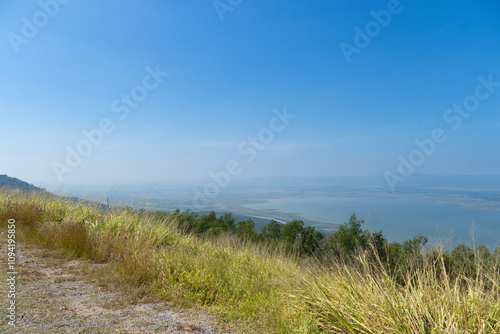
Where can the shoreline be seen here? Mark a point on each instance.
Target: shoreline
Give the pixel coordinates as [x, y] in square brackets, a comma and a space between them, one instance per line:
[270, 219]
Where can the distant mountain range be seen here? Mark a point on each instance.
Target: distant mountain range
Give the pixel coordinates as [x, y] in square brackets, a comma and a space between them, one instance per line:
[12, 182]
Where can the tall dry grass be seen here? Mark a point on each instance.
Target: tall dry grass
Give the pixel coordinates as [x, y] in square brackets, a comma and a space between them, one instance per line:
[366, 299]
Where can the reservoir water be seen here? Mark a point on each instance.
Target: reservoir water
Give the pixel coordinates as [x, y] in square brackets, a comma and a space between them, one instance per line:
[399, 218]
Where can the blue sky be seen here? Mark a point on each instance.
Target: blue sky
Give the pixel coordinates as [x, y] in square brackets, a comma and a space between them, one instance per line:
[225, 78]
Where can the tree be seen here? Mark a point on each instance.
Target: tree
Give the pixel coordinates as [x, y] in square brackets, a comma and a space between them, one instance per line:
[348, 238]
[463, 261]
[496, 253]
[245, 229]
[272, 231]
[206, 222]
[226, 222]
[211, 225]
[413, 246]
[379, 244]
[483, 254]
[291, 231]
[186, 221]
[310, 240]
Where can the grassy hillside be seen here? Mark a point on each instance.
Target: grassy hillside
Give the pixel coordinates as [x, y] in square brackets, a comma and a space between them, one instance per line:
[13, 183]
[258, 286]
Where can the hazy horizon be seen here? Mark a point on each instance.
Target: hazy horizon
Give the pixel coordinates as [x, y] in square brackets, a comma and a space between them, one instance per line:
[444, 209]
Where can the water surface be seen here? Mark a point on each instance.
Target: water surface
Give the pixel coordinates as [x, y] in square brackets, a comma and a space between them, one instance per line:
[399, 218]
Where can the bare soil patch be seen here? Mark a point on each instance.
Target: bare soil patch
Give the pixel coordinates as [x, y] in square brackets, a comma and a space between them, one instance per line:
[55, 294]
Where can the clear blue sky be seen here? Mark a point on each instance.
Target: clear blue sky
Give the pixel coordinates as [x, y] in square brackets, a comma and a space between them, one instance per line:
[226, 77]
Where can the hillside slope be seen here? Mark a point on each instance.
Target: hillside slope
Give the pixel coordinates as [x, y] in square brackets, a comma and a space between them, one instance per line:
[12, 182]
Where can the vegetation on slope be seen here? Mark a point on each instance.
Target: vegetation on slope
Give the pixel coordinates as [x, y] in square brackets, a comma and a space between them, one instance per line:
[13, 183]
[353, 281]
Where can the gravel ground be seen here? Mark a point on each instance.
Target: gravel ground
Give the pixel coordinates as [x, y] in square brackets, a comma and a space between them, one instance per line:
[54, 296]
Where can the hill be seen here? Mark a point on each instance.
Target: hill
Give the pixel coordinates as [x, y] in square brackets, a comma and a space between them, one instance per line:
[12, 182]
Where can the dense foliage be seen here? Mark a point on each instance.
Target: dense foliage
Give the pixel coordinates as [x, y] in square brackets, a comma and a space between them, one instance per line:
[399, 258]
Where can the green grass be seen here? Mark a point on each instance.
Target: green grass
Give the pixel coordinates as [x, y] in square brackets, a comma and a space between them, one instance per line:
[251, 286]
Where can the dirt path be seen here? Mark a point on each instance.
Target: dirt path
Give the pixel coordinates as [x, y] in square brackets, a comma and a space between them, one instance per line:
[54, 295]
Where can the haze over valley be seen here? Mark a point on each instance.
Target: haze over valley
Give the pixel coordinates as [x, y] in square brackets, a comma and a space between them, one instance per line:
[448, 210]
